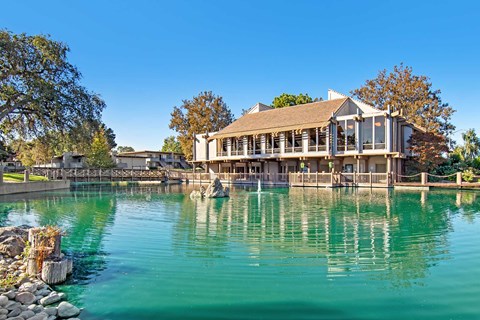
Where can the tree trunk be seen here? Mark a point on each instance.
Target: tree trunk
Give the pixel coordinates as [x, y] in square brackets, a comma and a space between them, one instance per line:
[54, 272]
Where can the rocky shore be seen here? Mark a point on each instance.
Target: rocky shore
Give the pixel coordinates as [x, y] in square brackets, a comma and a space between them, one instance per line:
[23, 296]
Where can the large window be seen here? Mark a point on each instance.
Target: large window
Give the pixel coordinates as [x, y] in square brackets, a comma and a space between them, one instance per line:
[317, 140]
[268, 143]
[350, 134]
[276, 144]
[367, 134]
[288, 141]
[222, 148]
[237, 146]
[341, 136]
[297, 142]
[379, 132]
[312, 140]
[257, 144]
[250, 144]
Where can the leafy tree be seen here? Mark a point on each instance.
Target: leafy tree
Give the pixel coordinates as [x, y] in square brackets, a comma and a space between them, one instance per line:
[40, 90]
[471, 145]
[416, 100]
[99, 154]
[410, 94]
[286, 100]
[171, 144]
[121, 149]
[204, 113]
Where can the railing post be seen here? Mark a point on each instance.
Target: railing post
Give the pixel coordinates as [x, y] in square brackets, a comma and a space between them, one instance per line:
[371, 179]
[316, 178]
[459, 178]
[26, 177]
[354, 178]
[331, 178]
[424, 178]
[303, 179]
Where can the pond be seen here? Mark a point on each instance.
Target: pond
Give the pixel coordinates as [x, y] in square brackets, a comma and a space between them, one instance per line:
[148, 252]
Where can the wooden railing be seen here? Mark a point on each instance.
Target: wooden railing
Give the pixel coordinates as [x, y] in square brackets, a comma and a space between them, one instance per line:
[87, 175]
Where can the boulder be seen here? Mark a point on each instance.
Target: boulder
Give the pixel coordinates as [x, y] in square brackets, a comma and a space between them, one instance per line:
[67, 310]
[51, 298]
[3, 301]
[216, 190]
[12, 241]
[26, 298]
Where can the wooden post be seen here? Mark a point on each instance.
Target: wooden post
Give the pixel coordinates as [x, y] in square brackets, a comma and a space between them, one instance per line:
[424, 178]
[459, 178]
[371, 179]
[26, 177]
[316, 177]
[355, 177]
[54, 272]
[1, 174]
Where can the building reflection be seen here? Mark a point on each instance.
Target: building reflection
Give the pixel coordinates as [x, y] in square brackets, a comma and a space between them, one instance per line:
[399, 235]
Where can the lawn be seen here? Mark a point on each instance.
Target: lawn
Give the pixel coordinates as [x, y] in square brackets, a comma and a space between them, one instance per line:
[18, 177]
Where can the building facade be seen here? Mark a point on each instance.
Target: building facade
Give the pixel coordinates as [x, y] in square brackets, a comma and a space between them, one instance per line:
[151, 160]
[339, 134]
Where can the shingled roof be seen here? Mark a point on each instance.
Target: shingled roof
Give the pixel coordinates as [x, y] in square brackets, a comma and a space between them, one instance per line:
[305, 116]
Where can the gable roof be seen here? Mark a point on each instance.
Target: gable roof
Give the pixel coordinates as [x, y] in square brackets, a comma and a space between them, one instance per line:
[309, 115]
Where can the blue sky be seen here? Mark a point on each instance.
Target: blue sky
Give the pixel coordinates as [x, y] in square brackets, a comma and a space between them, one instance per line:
[144, 57]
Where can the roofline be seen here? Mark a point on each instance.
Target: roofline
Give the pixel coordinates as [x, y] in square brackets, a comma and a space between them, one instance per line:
[148, 151]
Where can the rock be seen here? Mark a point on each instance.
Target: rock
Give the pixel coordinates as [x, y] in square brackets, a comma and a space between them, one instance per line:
[28, 287]
[51, 298]
[16, 318]
[50, 311]
[35, 308]
[216, 190]
[27, 314]
[15, 312]
[12, 241]
[44, 292]
[67, 310]
[3, 316]
[39, 316]
[25, 298]
[3, 301]
[3, 311]
[12, 305]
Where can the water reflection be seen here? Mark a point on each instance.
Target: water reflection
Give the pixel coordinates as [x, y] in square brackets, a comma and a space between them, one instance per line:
[387, 234]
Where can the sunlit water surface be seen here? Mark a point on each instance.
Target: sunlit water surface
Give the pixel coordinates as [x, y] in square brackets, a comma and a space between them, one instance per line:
[152, 252]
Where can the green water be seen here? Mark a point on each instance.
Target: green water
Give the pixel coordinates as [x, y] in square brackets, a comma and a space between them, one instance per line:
[153, 253]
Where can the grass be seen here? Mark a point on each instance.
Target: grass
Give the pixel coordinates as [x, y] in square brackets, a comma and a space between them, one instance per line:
[18, 177]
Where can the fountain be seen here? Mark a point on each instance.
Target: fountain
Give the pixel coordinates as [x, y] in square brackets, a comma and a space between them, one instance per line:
[259, 188]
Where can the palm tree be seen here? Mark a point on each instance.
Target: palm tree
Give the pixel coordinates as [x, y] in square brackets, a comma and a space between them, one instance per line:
[471, 144]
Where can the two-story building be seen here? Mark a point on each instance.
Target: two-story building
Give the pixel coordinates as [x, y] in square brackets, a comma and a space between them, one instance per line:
[340, 134]
[151, 160]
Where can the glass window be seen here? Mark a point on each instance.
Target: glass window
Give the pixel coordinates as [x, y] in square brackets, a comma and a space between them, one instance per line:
[268, 142]
[298, 142]
[322, 140]
[276, 144]
[379, 132]
[288, 141]
[312, 140]
[350, 135]
[257, 144]
[341, 136]
[367, 133]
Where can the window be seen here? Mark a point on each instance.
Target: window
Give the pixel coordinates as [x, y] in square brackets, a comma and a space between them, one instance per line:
[322, 140]
[237, 146]
[276, 144]
[367, 133]
[341, 136]
[379, 132]
[350, 135]
[297, 142]
[268, 143]
[257, 144]
[250, 143]
[288, 141]
[312, 140]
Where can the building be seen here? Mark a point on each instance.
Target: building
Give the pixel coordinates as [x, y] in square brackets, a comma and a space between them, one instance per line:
[151, 160]
[340, 134]
[68, 160]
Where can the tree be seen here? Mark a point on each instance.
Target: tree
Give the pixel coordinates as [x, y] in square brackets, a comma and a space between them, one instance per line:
[204, 113]
[286, 100]
[40, 90]
[471, 145]
[121, 149]
[171, 144]
[99, 154]
[411, 95]
[428, 149]
[415, 99]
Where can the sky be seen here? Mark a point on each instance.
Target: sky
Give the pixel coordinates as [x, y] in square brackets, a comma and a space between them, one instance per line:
[145, 57]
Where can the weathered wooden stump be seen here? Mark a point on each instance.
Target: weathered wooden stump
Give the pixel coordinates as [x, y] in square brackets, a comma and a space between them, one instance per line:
[54, 272]
[45, 257]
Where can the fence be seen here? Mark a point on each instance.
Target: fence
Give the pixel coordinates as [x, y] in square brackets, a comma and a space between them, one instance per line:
[90, 175]
[426, 179]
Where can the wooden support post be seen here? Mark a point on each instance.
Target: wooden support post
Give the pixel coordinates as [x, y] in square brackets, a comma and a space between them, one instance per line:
[371, 179]
[459, 178]
[424, 178]
[355, 177]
